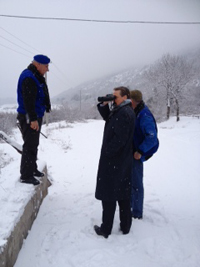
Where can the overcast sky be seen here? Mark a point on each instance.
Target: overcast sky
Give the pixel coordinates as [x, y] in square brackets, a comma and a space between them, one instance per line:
[83, 51]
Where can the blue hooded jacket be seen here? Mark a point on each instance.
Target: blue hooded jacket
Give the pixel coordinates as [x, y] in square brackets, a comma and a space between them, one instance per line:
[145, 136]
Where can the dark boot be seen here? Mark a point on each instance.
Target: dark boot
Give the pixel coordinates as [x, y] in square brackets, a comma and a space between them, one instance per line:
[38, 174]
[139, 217]
[30, 180]
[124, 232]
[99, 231]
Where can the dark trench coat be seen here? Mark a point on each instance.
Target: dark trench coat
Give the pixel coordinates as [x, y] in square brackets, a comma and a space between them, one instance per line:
[115, 164]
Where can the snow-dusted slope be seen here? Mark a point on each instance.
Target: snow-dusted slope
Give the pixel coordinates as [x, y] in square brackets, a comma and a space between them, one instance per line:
[62, 235]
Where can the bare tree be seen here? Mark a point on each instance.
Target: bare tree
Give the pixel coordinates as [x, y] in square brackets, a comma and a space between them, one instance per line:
[171, 73]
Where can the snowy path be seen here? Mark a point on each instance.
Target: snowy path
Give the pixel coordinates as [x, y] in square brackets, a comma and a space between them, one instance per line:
[169, 234]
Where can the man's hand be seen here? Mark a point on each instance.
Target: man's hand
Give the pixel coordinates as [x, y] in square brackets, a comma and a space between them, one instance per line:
[137, 155]
[34, 125]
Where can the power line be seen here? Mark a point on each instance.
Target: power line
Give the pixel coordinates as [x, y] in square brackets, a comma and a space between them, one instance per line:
[64, 82]
[68, 79]
[29, 58]
[27, 51]
[61, 80]
[14, 50]
[15, 44]
[104, 21]
[18, 39]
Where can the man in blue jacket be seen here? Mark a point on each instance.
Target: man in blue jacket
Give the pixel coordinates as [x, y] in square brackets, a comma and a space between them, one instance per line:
[145, 144]
[33, 101]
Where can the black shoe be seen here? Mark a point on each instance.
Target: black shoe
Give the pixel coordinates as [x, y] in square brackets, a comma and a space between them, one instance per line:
[30, 180]
[98, 231]
[124, 232]
[137, 217]
[38, 174]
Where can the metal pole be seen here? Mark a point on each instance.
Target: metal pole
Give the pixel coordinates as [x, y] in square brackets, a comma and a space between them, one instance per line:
[80, 99]
[46, 114]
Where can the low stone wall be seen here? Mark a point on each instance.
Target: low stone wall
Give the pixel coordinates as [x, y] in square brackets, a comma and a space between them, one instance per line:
[9, 251]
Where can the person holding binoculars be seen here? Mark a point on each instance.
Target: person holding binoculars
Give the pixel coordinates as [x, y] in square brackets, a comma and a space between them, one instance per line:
[115, 164]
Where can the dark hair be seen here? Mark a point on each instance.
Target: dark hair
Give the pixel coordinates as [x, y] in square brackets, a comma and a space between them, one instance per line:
[123, 91]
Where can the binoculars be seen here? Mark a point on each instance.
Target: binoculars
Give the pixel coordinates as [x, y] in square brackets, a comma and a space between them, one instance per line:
[108, 97]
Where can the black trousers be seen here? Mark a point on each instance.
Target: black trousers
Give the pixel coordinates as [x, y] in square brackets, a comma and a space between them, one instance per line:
[30, 147]
[108, 214]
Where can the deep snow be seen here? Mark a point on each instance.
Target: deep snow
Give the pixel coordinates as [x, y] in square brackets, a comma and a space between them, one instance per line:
[63, 235]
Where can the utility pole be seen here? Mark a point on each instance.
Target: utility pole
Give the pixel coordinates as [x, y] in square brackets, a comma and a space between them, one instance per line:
[46, 114]
[80, 99]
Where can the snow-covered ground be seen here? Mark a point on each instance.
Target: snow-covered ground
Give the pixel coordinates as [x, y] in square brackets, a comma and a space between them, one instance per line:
[63, 235]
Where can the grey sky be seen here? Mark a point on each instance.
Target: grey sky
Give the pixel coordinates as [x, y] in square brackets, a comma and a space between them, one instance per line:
[82, 51]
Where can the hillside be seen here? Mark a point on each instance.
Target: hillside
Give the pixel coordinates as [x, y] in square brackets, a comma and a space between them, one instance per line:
[86, 94]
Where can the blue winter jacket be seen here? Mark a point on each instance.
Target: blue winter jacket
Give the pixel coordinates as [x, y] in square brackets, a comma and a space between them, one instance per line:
[40, 98]
[145, 136]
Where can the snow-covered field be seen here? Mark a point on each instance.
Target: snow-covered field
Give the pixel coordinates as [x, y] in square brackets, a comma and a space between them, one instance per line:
[63, 235]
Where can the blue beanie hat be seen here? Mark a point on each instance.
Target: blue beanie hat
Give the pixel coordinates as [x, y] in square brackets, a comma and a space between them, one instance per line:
[42, 59]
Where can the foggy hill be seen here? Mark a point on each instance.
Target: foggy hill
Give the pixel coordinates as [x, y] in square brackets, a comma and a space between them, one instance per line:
[89, 92]
[86, 94]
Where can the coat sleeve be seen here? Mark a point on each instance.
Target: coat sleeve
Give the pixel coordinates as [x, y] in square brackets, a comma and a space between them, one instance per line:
[122, 128]
[103, 110]
[149, 131]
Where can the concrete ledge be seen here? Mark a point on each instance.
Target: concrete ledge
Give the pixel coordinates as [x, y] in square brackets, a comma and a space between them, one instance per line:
[9, 251]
